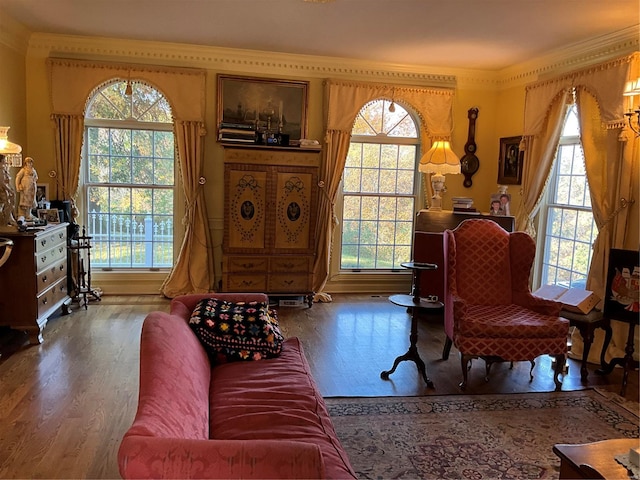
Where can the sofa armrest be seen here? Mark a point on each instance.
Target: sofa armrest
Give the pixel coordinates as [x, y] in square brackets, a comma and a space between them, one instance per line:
[153, 457]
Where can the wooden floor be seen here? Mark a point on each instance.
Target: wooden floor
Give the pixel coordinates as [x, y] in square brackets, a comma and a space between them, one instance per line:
[65, 404]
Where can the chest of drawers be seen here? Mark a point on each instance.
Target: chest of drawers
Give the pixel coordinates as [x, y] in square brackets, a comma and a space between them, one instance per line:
[33, 282]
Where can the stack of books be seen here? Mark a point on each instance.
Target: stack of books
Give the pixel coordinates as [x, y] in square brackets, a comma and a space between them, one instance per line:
[237, 133]
[463, 204]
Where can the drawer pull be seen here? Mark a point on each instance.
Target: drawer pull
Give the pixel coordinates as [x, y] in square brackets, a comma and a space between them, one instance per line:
[288, 282]
[44, 279]
[43, 242]
[247, 283]
[248, 265]
[43, 258]
[288, 265]
[61, 267]
[45, 301]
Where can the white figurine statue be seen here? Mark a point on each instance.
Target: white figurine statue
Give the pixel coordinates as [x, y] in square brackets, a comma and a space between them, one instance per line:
[7, 196]
[26, 184]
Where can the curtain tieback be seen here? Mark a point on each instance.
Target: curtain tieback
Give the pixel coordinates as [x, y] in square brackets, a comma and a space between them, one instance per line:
[624, 203]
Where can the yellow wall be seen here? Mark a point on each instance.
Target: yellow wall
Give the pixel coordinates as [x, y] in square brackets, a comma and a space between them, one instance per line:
[500, 102]
[13, 111]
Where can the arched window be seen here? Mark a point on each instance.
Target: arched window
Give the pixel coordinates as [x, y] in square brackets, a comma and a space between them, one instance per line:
[379, 189]
[568, 228]
[128, 174]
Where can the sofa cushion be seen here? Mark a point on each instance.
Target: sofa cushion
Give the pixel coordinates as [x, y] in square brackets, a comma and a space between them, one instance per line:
[275, 399]
[231, 331]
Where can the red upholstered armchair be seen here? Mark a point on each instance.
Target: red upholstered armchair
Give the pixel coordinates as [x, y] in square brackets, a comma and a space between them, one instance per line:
[489, 309]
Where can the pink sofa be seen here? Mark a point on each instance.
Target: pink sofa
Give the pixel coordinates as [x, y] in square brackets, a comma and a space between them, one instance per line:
[253, 419]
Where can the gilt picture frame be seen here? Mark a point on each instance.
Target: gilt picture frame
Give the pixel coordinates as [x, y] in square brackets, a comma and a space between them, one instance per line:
[510, 162]
[273, 105]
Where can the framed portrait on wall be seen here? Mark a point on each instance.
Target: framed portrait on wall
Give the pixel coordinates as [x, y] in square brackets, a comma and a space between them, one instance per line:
[42, 192]
[510, 161]
[263, 104]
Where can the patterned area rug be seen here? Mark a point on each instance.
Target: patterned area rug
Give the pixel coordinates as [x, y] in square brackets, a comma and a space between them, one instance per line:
[473, 437]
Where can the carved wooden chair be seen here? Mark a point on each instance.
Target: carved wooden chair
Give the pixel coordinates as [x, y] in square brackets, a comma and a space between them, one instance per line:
[490, 312]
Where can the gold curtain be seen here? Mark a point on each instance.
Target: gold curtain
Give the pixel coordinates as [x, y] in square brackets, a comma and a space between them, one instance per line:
[611, 162]
[539, 153]
[193, 271]
[343, 100]
[334, 157]
[69, 131]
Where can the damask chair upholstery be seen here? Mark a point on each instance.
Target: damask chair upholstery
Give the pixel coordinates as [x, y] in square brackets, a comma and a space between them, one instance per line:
[490, 312]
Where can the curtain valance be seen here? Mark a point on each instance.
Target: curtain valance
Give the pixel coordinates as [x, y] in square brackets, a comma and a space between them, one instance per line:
[605, 82]
[72, 81]
[433, 105]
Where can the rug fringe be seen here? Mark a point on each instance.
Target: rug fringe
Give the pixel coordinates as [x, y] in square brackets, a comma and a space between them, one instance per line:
[629, 405]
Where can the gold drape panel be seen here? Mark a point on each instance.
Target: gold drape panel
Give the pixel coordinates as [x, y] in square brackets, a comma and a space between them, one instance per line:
[343, 100]
[334, 157]
[539, 154]
[612, 168]
[69, 132]
[193, 271]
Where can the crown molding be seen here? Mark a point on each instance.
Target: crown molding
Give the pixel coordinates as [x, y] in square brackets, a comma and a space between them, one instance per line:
[572, 57]
[234, 60]
[13, 34]
[230, 60]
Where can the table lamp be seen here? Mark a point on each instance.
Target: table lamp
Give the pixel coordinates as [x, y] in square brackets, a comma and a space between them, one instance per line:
[439, 161]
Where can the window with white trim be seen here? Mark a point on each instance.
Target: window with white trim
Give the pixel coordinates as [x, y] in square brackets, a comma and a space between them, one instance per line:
[379, 189]
[568, 226]
[129, 177]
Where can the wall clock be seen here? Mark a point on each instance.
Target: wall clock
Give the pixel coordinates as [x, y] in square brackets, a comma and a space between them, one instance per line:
[469, 163]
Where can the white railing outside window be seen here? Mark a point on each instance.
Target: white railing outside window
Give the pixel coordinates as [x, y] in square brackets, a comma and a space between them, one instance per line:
[129, 241]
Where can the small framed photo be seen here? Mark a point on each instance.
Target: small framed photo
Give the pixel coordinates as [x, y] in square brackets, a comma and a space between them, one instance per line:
[51, 215]
[247, 104]
[510, 162]
[622, 296]
[42, 192]
[500, 204]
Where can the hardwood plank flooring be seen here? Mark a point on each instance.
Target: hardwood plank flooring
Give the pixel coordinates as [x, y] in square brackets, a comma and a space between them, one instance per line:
[65, 404]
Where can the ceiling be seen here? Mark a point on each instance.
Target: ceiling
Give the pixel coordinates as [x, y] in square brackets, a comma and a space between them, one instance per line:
[478, 34]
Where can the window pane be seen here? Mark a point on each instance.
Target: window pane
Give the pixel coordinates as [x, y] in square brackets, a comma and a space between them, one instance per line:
[379, 190]
[571, 228]
[129, 178]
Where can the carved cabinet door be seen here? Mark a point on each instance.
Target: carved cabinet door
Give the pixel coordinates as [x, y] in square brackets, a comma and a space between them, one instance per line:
[246, 197]
[294, 195]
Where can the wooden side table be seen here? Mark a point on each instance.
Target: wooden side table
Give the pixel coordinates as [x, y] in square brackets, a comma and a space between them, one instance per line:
[414, 303]
[627, 362]
[594, 460]
[586, 325]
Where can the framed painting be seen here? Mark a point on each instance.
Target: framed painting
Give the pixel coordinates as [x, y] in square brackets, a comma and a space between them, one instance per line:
[510, 162]
[623, 285]
[263, 105]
